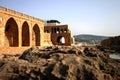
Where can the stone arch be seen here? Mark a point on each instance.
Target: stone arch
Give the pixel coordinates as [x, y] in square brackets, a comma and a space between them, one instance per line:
[36, 35]
[57, 31]
[47, 31]
[61, 40]
[61, 31]
[11, 33]
[65, 30]
[25, 34]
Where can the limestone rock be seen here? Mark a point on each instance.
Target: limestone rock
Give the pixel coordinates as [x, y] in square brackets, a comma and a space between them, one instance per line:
[61, 63]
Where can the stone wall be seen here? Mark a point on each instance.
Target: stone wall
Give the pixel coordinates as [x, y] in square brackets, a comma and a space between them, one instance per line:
[19, 31]
[18, 28]
[60, 34]
[47, 39]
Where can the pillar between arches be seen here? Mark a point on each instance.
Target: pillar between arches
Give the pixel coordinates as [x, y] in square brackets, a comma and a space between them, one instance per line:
[30, 29]
[2, 36]
[20, 34]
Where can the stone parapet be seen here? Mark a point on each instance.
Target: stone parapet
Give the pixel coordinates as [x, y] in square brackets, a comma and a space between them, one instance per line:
[18, 13]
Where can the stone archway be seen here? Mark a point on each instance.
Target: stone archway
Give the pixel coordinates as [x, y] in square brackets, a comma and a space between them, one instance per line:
[61, 40]
[25, 34]
[11, 33]
[36, 35]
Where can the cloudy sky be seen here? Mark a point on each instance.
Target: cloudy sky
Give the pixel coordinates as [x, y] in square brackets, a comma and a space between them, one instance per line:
[98, 17]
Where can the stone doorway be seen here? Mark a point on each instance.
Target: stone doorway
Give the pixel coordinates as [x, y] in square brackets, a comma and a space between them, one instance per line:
[61, 40]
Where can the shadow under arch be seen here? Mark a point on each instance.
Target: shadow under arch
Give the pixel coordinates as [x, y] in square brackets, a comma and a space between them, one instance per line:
[25, 34]
[36, 35]
[11, 32]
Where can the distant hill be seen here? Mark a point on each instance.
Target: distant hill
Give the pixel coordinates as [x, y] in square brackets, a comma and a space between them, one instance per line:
[89, 38]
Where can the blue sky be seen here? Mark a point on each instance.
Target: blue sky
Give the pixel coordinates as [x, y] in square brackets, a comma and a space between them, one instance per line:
[99, 17]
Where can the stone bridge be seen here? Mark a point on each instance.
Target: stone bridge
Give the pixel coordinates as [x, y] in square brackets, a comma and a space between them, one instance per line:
[19, 31]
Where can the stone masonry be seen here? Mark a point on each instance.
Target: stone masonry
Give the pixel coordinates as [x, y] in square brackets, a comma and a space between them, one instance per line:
[19, 31]
[60, 34]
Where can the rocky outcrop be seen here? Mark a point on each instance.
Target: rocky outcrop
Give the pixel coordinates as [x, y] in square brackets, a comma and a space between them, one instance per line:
[112, 43]
[60, 63]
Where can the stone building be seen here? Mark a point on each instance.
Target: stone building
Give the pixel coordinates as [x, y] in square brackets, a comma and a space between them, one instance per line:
[19, 31]
[60, 34]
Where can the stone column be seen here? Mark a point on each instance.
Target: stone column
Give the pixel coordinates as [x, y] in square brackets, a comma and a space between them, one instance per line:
[2, 38]
[30, 33]
[20, 33]
[41, 35]
[1, 31]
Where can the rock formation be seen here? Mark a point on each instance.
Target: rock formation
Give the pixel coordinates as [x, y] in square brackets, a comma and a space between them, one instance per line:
[112, 43]
[60, 63]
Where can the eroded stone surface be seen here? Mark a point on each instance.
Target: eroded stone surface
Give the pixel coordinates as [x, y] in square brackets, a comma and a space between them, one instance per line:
[60, 63]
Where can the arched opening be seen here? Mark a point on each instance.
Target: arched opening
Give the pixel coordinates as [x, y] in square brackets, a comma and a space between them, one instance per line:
[11, 33]
[36, 35]
[57, 30]
[61, 31]
[61, 40]
[25, 34]
[47, 31]
[65, 31]
[52, 30]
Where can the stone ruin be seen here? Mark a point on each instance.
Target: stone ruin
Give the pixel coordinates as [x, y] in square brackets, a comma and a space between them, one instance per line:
[19, 31]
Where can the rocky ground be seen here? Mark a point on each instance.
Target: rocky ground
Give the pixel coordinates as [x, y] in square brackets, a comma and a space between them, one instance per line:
[112, 43]
[60, 63]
